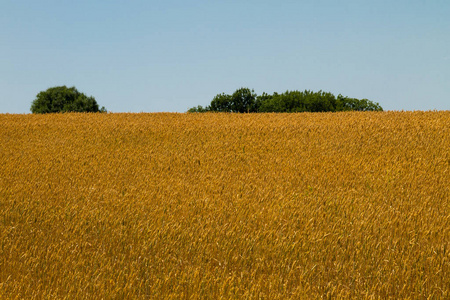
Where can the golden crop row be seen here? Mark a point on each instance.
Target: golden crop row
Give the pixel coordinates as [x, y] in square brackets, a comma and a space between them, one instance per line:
[271, 206]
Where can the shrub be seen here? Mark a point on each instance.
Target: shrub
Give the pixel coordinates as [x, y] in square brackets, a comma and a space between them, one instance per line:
[64, 99]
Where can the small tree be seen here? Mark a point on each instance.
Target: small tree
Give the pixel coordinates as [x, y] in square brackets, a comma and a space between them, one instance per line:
[64, 99]
[243, 100]
[346, 103]
[198, 109]
[222, 103]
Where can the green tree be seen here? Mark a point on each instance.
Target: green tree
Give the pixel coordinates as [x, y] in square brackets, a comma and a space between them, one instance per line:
[260, 100]
[221, 103]
[198, 109]
[243, 100]
[321, 102]
[346, 103]
[275, 103]
[64, 99]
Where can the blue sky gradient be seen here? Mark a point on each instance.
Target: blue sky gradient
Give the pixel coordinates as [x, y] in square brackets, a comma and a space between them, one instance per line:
[151, 56]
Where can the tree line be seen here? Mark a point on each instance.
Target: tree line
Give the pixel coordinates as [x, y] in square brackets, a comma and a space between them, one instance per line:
[245, 100]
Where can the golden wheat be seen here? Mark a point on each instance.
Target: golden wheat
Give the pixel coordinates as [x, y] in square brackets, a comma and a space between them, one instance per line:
[187, 206]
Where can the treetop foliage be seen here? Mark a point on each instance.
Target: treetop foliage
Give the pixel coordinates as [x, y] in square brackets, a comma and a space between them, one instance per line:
[245, 100]
[64, 99]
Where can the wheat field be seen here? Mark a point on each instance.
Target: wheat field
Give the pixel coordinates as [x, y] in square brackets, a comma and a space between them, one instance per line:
[225, 206]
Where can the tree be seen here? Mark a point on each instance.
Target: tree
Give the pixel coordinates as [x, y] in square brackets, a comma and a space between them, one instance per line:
[221, 103]
[243, 100]
[273, 103]
[260, 100]
[198, 109]
[64, 99]
[346, 103]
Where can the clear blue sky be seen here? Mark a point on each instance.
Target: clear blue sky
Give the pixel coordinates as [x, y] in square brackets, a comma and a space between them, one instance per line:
[170, 55]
